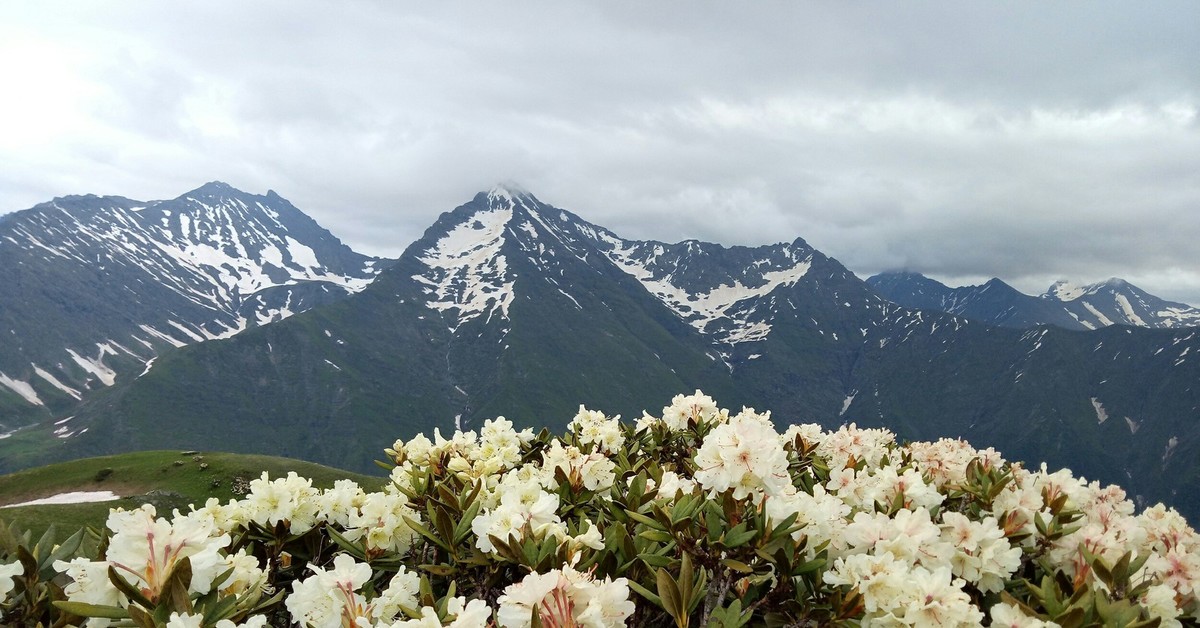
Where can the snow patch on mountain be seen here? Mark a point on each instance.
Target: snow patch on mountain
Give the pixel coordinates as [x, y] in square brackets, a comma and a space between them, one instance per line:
[21, 388]
[42, 373]
[701, 308]
[1128, 311]
[1063, 290]
[468, 275]
[96, 366]
[1101, 413]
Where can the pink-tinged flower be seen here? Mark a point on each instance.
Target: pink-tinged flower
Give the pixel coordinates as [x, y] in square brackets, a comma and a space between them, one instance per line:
[563, 598]
[330, 598]
[148, 549]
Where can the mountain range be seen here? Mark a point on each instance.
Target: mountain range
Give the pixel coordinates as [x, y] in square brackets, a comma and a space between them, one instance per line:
[94, 288]
[1112, 302]
[509, 306]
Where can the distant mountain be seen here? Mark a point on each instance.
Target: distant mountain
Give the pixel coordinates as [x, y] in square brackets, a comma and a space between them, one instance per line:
[1113, 302]
[509, 306]
[92, 288]
[1118, 302]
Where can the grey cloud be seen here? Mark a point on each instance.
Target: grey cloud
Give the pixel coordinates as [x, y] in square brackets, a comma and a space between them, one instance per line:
[964, 141]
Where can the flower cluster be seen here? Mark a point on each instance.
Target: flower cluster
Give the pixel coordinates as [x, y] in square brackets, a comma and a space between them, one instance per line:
[693, 517]
[565, 597]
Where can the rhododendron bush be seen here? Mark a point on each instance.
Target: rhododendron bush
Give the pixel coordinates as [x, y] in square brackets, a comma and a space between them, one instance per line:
[696, 517]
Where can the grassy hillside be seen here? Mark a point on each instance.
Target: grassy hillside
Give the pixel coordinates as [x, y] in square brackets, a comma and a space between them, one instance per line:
[167, 479]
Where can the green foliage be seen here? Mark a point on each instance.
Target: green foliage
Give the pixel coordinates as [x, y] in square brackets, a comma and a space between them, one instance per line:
[696, 558]
[147, 477]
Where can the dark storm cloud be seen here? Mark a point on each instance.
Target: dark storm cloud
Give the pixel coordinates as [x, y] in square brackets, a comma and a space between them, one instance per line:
[963, 141]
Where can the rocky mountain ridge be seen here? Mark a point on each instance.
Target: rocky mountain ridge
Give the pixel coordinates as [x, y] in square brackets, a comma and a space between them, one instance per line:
[509, 306]
[97, 287]
[1111, 302]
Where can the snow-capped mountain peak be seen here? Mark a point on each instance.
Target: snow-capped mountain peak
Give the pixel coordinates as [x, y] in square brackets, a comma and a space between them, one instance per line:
[118, 279]
[1064, 304]
[466, 262]
[1118, 302]
[467, 271]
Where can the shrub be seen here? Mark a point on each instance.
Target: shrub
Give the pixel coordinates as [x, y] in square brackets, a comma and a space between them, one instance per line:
[696, 517]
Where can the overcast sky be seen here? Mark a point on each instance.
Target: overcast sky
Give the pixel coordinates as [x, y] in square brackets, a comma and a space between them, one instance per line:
[1027, 141]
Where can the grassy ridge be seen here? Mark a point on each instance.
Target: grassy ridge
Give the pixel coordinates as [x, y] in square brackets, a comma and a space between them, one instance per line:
[167, 479]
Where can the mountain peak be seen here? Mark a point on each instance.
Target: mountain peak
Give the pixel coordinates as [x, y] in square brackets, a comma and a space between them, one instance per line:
[509, 194]
[215, 188]
[1114, 282]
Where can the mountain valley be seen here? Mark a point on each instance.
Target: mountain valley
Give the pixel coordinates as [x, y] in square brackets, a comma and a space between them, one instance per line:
[509, 306]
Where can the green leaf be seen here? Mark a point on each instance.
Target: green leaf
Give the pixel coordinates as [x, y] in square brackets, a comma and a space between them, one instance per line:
[346, 544]
[644, 592]
[426, 532]
[737, 565]
[655, 560]
[657, 536]
[66, 551]
[739, 536]
[132, 592]
[686, 579]
[668, 592]
[464, 526]
[84, 609]
[643, 519]
[440, 570]
[142, 618]
[810, 567]
[175, 592]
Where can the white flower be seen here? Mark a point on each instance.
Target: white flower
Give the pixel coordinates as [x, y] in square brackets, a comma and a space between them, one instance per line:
[402, 590]
[850, 445]
[89, 582]
[335, 505]
[256, 621]
[7, 573]
[520, 600]
[565, 597]
[593, 428]
[380, 520]
[982, 555]
[1006, 615]
[247, 573]
[697, 407]
[225, 518]
[291, 500]
[810, 432]
[460, 612]
[936, 600]
[881, 579]
[602, 604]
[147, 549]
[1159, 600]
[946, 460]
[186, 620]
[327, 597]
[744, 455]
[592, 471]
[469, 615]
[516, 516]
[822, 518]
[672, 485]
[1176, 569]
